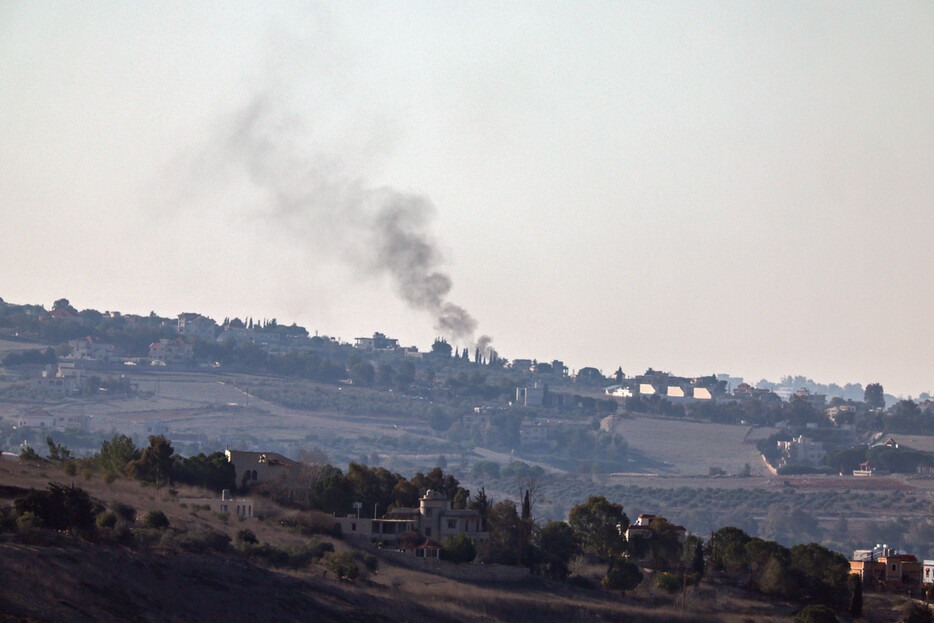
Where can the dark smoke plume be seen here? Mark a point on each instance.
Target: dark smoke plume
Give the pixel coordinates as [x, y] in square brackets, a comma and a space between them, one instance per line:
[377, 230]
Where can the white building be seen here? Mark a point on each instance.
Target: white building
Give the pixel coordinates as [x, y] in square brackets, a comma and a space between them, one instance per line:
[43, 420]
[802, 451]
[90, 349]
[197, 325]
[168, 352]
[531, 396]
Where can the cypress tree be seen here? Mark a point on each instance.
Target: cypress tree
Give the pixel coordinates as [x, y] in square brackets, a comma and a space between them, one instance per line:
[856, 606]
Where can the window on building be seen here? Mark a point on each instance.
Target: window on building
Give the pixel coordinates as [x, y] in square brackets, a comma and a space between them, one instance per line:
[428, 512]
[353, 526]
[452, 524]
[223, 508]
[427, 531]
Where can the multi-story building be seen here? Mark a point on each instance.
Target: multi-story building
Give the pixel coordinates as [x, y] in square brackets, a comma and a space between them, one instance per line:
[433, 518]
[197, 325]
[168, 352]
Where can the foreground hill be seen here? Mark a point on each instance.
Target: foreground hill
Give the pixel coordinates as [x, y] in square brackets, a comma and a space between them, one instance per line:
[157, 575]
[85, 582]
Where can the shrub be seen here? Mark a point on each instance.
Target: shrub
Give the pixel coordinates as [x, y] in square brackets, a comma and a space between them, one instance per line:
[124, 511]
[581, 581]
[815, 614]
[156, 519]
[458, 548]
[246, 536]
[315, 550]
[622, 575]
[919, 613]
[109, 477]
[27, 521]
[310, 523]
[668, 582]
[28, 453]
[343, 565]
[264, 551]
[107, 520]
[203, 541]
[59, 508]
[69, 468]
[370, 561]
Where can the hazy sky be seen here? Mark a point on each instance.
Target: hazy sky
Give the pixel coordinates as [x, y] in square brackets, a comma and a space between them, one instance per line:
[698, 187]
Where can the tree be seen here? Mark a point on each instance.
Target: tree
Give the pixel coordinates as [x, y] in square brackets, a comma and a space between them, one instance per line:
[559, 545]
[59, 508]
[211, 471]
[856, 604]
[505, 527]
[63, 304]
[664, 544]
[874, 396]
[600, 525]
[58, 453]
[404, 376]
[727, 549]
[822, 574]
[693, 555]
[362, 374]
[481, 504]
[155, 463]
[589, 376]
[622, 575]
[458, 548]
[441, 348]
[906, 417]
[115, 454]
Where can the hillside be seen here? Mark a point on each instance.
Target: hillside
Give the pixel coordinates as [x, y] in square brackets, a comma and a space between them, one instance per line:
[54, 577]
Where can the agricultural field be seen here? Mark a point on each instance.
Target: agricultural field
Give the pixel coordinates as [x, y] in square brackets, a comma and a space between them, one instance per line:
[681, 447]
[11, 346]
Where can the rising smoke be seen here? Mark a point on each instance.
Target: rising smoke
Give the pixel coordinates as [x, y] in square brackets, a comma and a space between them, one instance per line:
[378, 231]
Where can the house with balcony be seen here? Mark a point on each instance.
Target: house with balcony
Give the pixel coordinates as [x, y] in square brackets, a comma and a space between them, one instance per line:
[434, 518]
[378, 342]
[92, 349]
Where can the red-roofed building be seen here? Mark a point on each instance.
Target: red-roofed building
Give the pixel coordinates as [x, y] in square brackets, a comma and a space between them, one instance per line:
[894, 570]
[63, 313]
